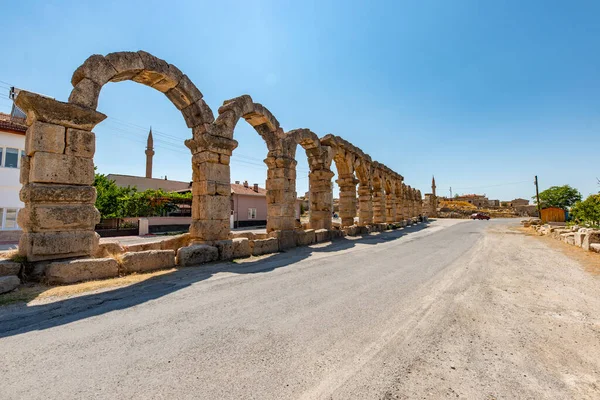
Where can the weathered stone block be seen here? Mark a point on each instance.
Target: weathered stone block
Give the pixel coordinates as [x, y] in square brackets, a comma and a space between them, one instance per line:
[197, 113]
[579, 236]
[108, 249]
[86, 94]
[264, 246]
[147, 260]
[45, 109]
[175, 242]
[210, 171]
[71, 271]
[25, 168]
[53, 245]
[209, 230]
[592, 237]
[247, 235]
[41, 136]
[9, 283]
[61, 168]
[568, 238]
[196, 254]
[48, 193]
[322, 235]
[40, 218]
[225, 248]
[80, 143]
[287, 238]
[211, 207]
[184, 94]
[8, 267]
[305, 237]
[241, 248]
[96, 68]
[127, 64]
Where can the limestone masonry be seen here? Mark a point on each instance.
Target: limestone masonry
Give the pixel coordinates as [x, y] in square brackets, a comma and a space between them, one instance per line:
[58, 170]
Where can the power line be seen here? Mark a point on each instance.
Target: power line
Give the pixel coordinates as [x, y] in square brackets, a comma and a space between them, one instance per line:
[166, 141]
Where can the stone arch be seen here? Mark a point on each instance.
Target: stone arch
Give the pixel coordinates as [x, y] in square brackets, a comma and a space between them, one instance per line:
[144, 68]
[320, 185]
[390, 198]
[280, 160]
[378, 194]
[399, 200]
[363, 170]
[344, 157]
[211, 187]
[59, 215]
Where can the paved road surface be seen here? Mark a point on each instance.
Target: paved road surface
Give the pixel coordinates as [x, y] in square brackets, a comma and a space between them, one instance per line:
[470, 310]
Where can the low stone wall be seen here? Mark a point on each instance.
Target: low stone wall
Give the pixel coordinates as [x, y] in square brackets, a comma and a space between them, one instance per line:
[112, 259]
[586, 238]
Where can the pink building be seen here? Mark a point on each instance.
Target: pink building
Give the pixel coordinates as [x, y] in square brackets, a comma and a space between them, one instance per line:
[248, 205]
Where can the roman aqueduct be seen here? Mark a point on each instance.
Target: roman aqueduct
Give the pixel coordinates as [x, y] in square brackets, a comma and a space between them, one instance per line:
[58, 170]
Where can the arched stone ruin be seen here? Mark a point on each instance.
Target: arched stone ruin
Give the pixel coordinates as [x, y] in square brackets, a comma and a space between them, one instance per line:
[59, 216]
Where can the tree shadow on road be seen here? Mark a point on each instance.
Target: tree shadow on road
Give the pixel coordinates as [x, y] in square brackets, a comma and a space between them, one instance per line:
[18, 319]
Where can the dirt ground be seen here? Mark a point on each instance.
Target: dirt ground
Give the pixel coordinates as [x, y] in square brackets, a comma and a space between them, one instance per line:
[526, 326]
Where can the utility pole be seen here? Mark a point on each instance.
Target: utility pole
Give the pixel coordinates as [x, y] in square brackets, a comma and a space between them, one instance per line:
[537, 195]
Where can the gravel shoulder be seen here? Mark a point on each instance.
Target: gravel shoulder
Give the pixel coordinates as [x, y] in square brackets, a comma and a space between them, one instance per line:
[521, 320]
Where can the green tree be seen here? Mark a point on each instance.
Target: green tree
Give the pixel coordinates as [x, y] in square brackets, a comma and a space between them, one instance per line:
[587, 212]
[110, 197]
[559, 196]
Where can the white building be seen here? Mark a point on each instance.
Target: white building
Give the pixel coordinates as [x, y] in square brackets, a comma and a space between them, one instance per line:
[12, 145]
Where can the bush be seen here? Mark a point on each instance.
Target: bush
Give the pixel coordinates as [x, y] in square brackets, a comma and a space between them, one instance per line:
[116, 202]
[587, 212]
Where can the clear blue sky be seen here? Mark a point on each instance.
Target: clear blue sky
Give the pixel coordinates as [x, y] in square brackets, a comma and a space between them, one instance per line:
[483, 94]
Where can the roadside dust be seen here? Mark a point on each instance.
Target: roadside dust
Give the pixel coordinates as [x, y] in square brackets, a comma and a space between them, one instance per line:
[524, 323]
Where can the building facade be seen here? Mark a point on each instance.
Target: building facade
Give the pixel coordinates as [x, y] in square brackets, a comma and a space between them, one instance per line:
[478, 200]
[12, 148]
[519, 202]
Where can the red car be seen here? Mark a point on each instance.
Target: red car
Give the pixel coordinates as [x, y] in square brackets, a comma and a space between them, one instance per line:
[480, 216]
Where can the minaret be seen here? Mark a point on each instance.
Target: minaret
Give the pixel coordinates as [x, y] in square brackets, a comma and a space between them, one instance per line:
[149, 154]
[433, 201]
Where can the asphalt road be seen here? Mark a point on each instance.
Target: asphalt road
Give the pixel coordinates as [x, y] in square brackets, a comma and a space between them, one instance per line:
[452, 310]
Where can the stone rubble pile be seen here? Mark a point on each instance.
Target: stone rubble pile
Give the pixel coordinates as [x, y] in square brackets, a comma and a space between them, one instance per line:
[586, 238]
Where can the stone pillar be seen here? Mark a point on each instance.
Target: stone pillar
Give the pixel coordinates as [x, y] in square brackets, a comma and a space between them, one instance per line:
[320, 190]
[281, 193]
[365, 203]
[390, 207]
[405, 203]
[211, 186]
[378, 205]
[347, 184]
[57, 173]
[399, 205]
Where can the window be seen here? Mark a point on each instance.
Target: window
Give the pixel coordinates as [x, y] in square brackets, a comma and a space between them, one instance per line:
[11, 218]
[252, 213]
[1, 153]
[12, 158]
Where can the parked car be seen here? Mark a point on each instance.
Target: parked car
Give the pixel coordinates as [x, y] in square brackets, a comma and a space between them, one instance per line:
[480, 216]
